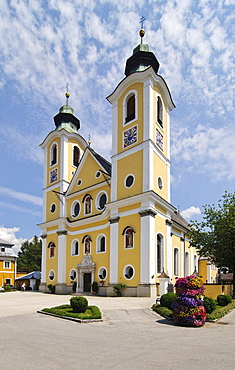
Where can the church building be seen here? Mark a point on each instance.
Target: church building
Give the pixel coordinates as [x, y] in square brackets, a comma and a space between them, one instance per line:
[113, 222]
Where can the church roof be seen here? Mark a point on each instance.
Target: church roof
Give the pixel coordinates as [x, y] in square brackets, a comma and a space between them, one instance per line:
[178, 219]
[104, 163]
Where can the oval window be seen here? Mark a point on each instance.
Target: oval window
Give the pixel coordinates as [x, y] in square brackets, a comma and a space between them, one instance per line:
[129, 181]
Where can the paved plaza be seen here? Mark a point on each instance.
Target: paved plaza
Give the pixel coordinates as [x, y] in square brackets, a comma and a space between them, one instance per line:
[131, 336]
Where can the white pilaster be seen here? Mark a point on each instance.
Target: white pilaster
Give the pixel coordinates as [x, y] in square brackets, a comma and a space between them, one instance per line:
[43, 267]
[115, 128]
[169, 257]
[114, 250]
[147, 246]
[114, 180]
[61, 257]
[148, 110]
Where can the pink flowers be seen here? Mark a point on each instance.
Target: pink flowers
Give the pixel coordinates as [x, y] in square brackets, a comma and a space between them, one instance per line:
[188, 309]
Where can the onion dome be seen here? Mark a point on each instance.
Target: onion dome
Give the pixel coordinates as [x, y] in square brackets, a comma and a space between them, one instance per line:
[66, 119]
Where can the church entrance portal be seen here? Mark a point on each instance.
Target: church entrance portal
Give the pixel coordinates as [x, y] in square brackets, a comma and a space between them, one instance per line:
[87, 282]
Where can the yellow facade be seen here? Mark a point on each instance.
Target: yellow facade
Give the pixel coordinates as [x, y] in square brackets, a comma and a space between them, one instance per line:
[113, 222]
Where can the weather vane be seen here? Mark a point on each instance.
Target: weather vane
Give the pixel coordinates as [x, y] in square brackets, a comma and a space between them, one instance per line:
[67, 94]
[89, 139]
[142, 19]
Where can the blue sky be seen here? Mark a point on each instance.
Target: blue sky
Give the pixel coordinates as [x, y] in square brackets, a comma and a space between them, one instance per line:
[46, 43]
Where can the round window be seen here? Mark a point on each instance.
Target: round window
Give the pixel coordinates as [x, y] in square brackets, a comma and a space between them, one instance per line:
[51, 275]
[102, 273]
[76, 209]
[159, 182]
[79, 182]
[102, 201]
[53, 208]
[73, 274]
[97, 174]
[129, 181]
[129, 272]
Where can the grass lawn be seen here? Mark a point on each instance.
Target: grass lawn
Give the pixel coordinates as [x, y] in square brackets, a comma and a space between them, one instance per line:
[92, 312]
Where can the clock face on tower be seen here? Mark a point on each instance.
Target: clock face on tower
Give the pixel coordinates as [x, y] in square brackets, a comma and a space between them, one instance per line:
[53, 176]
[130, 136]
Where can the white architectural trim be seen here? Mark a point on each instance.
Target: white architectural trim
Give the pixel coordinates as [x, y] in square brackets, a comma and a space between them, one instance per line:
[115, 128]
[147, 249]
[61, 259]
[114, 236]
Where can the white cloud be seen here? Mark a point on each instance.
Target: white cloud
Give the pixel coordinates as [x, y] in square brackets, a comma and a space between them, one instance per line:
[191, 211]
[21, 196]
[8, 234]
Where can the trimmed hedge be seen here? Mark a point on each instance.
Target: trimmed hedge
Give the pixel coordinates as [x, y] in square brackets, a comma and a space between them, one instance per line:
[224, 300]
[163, 311]
[221, 312]
[92, 312]
[79, 304]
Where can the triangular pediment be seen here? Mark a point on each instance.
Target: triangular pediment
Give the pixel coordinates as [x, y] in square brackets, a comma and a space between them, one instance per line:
[92, 170]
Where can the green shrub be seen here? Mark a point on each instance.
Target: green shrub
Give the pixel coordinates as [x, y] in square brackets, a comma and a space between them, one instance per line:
[167, 299]
[163, 311]
[51, 288]
[79, 304]
[209, 304]
[221, 312]
[117, 289]
[223, 300]
[7, 288]
[92, 312]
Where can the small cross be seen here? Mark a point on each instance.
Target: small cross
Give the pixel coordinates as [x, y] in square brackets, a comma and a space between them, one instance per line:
[67, 87]
[142, 19]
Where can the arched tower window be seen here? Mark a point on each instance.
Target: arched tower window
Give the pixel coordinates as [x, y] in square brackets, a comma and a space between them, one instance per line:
[160, 254]
[159, 111]
[176, 262]
[76, 156]
[130, 109]
[101, 244]
[53, 154]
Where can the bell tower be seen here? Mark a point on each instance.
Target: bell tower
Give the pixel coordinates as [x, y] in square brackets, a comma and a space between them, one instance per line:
[141, 128]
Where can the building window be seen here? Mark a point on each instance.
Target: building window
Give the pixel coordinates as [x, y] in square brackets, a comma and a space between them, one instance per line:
[102, 273]
[159, 111]
[130, 109]
[73, 274]
[8, 281]
[87, 204]
[101, 244]
[53, 154]
[195, 262]
[87, 244]
[129, 181]
[97, 175]
[2, 249]
[76, 156]
[128, 233]
[75, 209]
[160, 253]
[53, 208]
[186, 263]
[129, 272]
[75, 248]
[51, 275]
[51, 247]
[7, 265]
[160, 183]
[101, 200]
[176, 262]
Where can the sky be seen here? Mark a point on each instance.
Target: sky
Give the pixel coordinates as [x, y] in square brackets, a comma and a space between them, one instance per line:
[46, 44]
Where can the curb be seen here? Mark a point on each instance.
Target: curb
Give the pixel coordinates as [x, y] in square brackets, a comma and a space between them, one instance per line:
[70, 318]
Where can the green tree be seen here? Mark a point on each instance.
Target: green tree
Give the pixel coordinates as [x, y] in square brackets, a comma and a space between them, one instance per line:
[214, 237]
[30, 255]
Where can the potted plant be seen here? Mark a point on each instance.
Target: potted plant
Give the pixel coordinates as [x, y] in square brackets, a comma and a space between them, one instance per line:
[95, 287]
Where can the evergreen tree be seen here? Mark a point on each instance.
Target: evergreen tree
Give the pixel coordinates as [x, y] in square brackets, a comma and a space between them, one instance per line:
[30, 255]
[214, 237]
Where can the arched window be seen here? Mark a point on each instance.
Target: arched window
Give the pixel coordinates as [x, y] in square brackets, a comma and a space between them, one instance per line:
[75, 248]
[176, 262]
[76, 156]
[195, 262]
[128, 233]
[186, 263]
[160, 254]
[51, 247]
[130, 109]
[53, 154]
[101, 244]
[87, 244]
[159, 111]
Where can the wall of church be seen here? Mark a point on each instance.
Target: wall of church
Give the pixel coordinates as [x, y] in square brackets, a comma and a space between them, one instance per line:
[52, 198]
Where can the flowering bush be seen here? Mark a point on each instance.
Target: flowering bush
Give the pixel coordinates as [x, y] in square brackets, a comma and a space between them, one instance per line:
[188, 308]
